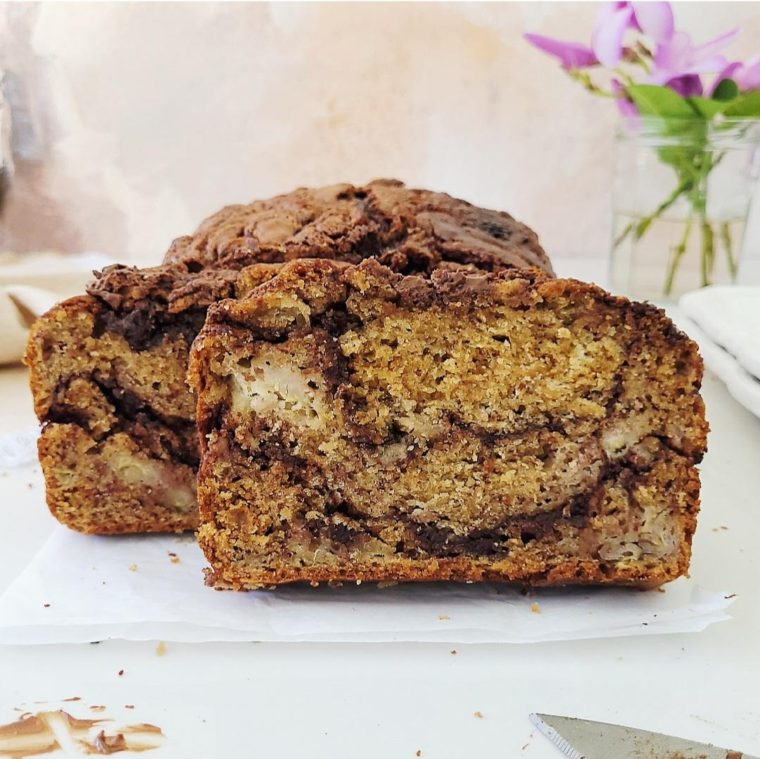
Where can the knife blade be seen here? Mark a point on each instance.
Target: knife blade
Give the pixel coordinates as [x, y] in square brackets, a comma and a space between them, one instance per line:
[584, 739]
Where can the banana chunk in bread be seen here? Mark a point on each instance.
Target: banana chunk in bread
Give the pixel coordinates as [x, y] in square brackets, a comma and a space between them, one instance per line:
[359, 424]
[119, 446]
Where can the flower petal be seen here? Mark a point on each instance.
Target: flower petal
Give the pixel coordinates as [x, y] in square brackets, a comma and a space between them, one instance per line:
[572, 55]
[707, 49]
[748, 76]
[655, 19]
[686, 85]
[660, 76]
[606, 11]
[706, 65]
[674, 53]
[627, 109]
[607, 42]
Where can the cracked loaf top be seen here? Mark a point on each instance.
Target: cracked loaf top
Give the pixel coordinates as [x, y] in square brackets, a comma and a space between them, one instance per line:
[407, 230]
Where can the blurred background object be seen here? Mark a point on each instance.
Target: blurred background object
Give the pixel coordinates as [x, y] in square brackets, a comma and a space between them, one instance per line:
[133, 121]
[6, 154]
[32, 283]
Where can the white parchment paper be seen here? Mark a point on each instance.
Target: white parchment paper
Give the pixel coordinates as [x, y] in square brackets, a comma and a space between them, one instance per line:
[83, 588]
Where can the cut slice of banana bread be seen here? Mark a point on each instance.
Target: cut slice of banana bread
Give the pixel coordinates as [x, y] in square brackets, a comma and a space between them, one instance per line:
[357, 424]
[119, 447]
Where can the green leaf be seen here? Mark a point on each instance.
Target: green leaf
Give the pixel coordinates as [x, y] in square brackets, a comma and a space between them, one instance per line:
[726, 90]
[723, 97]
[707, 107]
[656, 100]
[746, 106]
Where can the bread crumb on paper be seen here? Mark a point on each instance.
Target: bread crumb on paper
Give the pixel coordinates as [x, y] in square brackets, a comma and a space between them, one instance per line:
[444, 617]
[161, 648]
[479, 715]
[535, 608]
[132, 567]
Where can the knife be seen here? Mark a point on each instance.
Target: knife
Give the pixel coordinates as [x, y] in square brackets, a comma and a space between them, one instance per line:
[584, 739]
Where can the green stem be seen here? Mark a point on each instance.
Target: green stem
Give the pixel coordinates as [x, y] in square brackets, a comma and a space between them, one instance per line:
[699, 202]
[708, 249]
[616, 242]
[640, 227]
[725, 236]
[627, 80]
[683, 186]
[675, 257]
[584, 78]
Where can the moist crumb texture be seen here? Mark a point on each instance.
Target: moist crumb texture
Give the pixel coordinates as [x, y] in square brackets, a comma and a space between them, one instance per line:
[359, 424]
[119, 445]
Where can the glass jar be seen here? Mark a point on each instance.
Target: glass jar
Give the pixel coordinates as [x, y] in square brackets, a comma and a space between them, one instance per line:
[682, 192]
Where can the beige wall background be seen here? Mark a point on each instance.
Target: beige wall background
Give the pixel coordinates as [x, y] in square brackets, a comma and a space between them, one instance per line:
[133, 121]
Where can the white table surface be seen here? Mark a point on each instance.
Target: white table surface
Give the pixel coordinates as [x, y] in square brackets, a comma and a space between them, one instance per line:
[391, 700]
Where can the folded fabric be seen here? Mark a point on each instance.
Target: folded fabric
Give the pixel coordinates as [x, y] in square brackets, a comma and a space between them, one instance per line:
[730, 317]
[30, 285]
[725, 322]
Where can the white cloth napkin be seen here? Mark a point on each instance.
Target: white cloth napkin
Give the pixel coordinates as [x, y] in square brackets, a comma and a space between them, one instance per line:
[725, 322]
[30, 285]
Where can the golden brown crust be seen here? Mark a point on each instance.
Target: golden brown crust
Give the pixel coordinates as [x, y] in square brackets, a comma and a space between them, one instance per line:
[334, 448]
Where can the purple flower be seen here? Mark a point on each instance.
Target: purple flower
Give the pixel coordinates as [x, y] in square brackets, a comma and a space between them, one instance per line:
[626, 107]
[678, 57]
[687, 85]
[746, 75]
[654, 19]
[572, 55]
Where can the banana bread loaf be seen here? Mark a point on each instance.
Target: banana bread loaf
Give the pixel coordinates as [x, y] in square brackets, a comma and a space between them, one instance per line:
[119, 445]
[357, 424]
